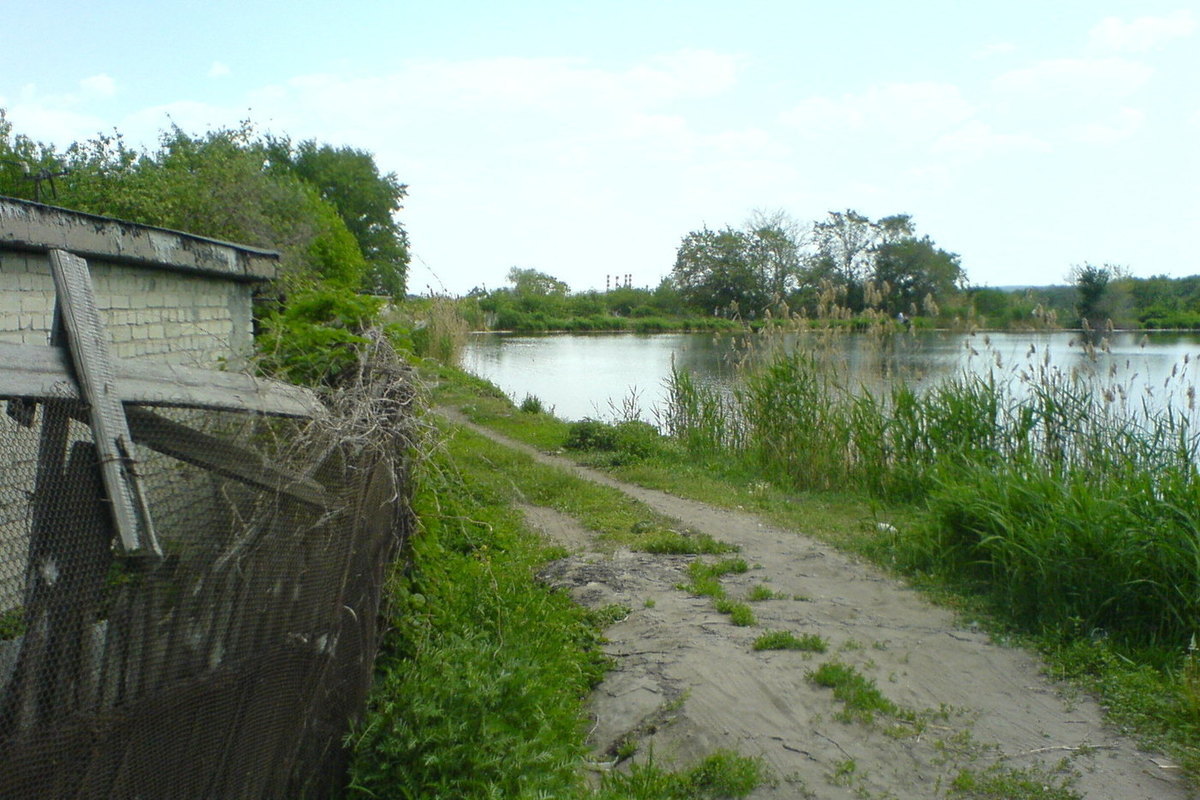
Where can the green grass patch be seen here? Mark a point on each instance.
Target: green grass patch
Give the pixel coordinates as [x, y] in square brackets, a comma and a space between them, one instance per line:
[759, 593]
[724, 774]
[860, 697]
[1003, 783]
[673, 542]
[786, 640]
[504, 475]
[740, 614]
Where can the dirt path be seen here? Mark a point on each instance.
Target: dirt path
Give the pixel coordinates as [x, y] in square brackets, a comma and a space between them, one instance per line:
[687, 680]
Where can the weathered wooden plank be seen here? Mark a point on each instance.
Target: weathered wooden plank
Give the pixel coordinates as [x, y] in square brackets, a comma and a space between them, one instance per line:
[92, 361]
[224, 458]
[41, 372]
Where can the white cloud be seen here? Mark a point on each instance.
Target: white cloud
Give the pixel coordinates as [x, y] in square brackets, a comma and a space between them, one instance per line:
[99, 86]
[977, 139]
[53, 125]
[1113, 34]
[1124, 125]
[899, 111]
[1077, 77]
[219, 69]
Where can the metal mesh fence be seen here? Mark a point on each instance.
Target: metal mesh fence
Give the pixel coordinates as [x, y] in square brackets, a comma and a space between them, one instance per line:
[231, 665]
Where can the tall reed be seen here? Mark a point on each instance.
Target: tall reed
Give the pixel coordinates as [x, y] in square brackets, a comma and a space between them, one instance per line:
[1073, 502]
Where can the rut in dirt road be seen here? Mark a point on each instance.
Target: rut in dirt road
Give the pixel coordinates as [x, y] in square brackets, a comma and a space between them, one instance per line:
[687, 681]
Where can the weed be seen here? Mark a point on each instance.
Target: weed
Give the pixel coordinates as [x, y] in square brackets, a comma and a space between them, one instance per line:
[12, 624]
[1000, 783]
[759, 593]
[726, 566]
[674, 543]
[859, 694]
[483, 672]
[844, 772]
[626, 748]
[532, 404]
[740, 614]
[1190, 680]
[723, 774]
[786, 640]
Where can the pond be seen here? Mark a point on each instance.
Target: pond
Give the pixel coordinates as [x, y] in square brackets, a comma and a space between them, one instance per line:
[606, 376]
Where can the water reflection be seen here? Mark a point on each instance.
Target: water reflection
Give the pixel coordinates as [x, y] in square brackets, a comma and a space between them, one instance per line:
[597, 375]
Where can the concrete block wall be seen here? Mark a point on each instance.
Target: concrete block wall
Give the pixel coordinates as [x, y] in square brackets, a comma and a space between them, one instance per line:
[172, 317]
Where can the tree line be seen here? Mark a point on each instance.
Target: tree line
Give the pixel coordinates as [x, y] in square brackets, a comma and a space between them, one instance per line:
[845, 258]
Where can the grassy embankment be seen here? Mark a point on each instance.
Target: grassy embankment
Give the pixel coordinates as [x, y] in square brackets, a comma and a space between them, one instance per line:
[483, 676]
[1066, 512]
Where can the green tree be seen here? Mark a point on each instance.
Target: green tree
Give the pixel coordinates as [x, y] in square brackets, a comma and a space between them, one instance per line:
[366, 200]
[775, 250]
[716, 272]
[852, 251]
[1098, 298]
[844, 242]
[913, 269]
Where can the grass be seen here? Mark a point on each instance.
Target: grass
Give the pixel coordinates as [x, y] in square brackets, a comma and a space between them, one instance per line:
[786, 640]
[673, 542]
[1003, 783]
[723, 774]
[706, 582]
[860, 697]
[759, 593]
[483, 674]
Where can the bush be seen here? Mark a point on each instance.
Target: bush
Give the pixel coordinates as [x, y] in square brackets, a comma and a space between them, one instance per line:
[532, 404]
[591, 434]
[317, 335]
[632, 440]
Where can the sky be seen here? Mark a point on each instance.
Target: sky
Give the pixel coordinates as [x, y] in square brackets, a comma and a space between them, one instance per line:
[586, 139]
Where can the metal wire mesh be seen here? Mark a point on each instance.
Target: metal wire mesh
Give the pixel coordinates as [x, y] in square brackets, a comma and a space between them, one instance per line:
[230, 667]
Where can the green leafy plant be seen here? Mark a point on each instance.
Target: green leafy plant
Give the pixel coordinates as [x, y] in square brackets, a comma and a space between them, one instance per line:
[786, 640]
[532, 404]
[673, 542]
[860, 696]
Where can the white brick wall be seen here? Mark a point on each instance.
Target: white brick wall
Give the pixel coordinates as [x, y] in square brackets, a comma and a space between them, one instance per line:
[173, 317]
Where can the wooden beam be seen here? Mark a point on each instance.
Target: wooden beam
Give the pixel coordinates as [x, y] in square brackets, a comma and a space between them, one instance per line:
[92, 362]
[209, 452]
[35, 372]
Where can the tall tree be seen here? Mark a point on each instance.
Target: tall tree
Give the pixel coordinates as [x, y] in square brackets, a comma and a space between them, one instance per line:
[715, 271]
[775, 244]
[913, 269]
[1096, 299]
[844, 243]
[366, 200]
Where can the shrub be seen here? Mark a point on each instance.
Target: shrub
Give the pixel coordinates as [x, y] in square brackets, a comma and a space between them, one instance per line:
[532, 404]
[590, 434]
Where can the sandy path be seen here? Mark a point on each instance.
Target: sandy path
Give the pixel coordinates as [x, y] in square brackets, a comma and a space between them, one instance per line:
[687, 680]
